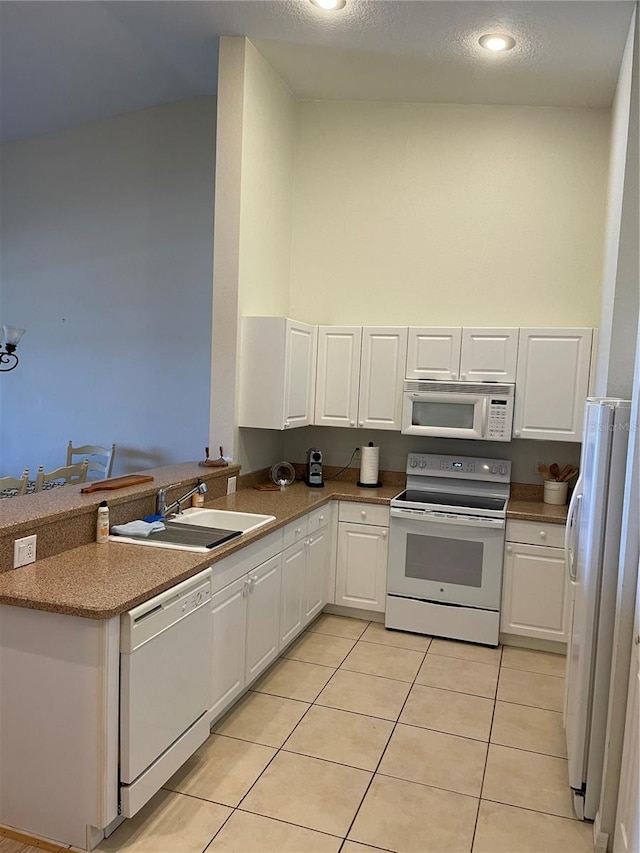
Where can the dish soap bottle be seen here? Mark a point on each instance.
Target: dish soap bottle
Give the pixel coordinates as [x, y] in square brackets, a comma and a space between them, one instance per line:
[102, 525]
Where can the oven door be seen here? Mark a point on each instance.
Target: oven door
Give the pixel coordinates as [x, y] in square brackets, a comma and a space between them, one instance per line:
[446, 415]
[453, 560]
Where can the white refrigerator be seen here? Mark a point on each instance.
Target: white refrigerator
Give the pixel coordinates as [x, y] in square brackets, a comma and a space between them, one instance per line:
[592, 551]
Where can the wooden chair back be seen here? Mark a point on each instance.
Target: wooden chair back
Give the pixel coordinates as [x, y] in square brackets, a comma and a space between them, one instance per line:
[71, 474]
[100, 459]
[19, 484]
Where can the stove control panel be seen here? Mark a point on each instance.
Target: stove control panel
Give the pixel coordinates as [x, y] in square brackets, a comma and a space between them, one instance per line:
[459, 467]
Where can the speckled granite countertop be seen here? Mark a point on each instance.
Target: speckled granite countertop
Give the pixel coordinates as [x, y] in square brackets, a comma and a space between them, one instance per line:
[522, 510]
[101, 581]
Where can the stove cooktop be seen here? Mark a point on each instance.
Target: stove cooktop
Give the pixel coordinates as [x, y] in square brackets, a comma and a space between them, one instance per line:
[424, 497]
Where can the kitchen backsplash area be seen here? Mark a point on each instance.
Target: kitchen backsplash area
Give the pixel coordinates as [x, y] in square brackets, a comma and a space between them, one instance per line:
[338, 444]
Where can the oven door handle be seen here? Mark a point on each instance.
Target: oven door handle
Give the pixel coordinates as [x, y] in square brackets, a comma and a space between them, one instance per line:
[444, 518]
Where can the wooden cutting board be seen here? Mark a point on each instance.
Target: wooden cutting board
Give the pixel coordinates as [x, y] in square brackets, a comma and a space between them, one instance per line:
[116, 483]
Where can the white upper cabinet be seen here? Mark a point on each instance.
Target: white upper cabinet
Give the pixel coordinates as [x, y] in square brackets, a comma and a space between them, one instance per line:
[382, 368]
[489, 355]
[277, 373]
[552, 383]
[433, 353]
[359, 376]
[469, 354]
[338, 375]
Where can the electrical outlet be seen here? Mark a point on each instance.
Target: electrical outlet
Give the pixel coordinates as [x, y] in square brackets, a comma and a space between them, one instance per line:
[231, 485]
[24, 551]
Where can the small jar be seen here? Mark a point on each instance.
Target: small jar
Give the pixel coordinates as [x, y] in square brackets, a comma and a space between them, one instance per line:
[197, 500]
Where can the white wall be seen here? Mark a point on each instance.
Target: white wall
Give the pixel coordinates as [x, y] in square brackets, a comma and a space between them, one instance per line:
[106, 259]
[448, 214]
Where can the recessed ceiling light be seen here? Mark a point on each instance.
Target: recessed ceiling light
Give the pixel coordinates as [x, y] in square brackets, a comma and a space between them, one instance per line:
[496, 42]
[330, 5]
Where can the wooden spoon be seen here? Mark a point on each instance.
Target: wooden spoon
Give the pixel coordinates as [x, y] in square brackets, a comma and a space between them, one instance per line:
[543, 471]
[554, 470]
[570, 475]
[564, 473]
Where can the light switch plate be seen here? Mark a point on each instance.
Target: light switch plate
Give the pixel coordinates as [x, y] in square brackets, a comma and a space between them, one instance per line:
[24, 551]
[231, 485]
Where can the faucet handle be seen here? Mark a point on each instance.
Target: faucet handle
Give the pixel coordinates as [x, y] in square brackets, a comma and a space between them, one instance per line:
[161, 501]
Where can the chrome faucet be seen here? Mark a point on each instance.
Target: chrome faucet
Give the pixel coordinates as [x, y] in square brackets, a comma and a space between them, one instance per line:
[161, 500]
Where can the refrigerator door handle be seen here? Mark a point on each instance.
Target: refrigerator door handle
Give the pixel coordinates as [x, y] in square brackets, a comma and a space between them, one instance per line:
[570, 533]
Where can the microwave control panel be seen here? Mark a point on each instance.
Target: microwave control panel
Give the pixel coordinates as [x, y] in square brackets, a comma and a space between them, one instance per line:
[499, 418]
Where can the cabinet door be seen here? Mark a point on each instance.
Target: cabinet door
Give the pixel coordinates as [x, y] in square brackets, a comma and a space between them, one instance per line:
[535, 602]
[292, 592]
[338, 375]
[361, 571]
[228, 610]
[263, 616]
[300, 375]
[382, 368]
[489, 355]
[552, 383]
[316, 573]
[433, 353]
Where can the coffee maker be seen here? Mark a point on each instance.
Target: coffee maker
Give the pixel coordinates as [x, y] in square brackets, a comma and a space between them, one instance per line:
[314, 468]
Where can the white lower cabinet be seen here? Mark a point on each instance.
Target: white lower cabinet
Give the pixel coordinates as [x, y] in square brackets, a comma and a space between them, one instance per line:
[229, 611]
[263, 616]
[535, 600]
[316, 574]
[305, 573]
[291, 592]
[361, 569]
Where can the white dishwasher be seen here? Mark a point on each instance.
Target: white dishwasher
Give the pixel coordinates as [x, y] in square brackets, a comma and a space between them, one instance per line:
[166, 652]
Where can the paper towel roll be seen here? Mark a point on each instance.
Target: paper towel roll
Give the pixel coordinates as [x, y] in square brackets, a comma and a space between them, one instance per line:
[369, 459]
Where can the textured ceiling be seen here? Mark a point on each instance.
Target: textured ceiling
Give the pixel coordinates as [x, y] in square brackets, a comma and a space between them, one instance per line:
[65, 63]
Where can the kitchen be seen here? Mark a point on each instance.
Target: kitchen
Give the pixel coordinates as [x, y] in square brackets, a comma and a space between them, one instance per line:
[271, 447]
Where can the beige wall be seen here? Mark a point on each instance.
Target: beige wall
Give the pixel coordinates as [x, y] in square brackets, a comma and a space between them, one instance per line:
[268, 140]
[448, 215]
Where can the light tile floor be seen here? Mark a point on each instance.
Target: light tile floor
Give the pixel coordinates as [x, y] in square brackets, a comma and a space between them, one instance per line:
[360, 739]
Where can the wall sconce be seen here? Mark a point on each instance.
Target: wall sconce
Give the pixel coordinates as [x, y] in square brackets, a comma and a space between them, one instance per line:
[9, 341]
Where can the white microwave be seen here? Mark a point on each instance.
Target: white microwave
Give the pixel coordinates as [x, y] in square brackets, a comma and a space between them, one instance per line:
[458, 409]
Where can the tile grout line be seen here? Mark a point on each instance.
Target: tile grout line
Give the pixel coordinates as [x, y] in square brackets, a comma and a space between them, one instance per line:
[395, 725]
[276, 753]
[486, 760]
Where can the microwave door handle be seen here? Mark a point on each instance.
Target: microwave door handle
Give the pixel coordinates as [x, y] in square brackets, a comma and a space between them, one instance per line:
[485, 424]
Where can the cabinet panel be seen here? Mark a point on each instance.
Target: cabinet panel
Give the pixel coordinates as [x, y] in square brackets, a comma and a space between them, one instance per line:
[228, 609]
[382, 368]
[433, 353]
[263, 617]
[276, 386]
[532, 533]
[338, 374]
[316, 574]
[292, 592]
[300, 372]
[361, 572]
[534, 598]
[552, 383]
[489, 355]
[362, 513]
